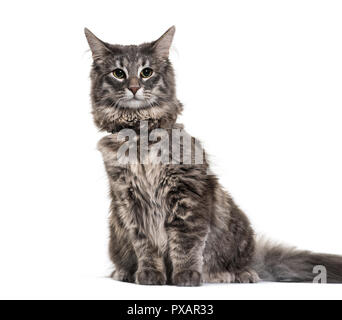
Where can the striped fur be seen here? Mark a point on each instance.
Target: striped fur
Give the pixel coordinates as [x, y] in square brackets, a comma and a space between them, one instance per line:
[173, 223]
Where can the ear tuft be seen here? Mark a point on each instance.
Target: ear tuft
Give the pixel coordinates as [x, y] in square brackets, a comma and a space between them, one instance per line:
[163, 44]
[98, 48]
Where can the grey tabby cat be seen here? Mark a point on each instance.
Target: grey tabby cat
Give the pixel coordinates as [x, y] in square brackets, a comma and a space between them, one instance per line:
[173, 223]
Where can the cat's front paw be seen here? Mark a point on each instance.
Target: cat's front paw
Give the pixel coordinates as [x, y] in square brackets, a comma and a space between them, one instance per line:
[187, 278]
[150, 277]
[124, 276]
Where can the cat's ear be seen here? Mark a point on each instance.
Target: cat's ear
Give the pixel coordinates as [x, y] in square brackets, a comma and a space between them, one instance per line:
[163, 44]
[98, 48]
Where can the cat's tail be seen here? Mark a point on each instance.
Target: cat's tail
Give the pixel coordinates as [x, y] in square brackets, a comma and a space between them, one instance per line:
[277, 263]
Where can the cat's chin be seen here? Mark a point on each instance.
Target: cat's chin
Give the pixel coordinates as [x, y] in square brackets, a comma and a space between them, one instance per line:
[134, 104]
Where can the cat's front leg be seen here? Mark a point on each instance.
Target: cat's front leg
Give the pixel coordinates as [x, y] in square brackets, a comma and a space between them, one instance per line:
[151, 268]
[187, 232]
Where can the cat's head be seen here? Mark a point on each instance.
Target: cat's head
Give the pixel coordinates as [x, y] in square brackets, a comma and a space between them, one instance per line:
[131, 83]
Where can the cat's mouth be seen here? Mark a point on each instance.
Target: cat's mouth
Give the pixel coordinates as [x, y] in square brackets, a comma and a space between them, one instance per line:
[136, 98]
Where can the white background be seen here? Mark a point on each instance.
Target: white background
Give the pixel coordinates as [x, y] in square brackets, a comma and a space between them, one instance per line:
[261, 83]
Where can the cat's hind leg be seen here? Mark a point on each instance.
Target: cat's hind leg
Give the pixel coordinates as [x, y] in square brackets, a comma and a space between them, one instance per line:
[219, 277]
[247, 276]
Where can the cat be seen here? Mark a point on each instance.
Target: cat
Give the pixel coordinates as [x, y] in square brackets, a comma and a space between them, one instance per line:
[172, 222]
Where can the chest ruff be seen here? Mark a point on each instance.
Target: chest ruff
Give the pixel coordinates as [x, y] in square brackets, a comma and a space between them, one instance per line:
[139, 192]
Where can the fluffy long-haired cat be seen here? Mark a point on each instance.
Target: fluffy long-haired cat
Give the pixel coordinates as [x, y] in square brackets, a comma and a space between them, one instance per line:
[171, 222]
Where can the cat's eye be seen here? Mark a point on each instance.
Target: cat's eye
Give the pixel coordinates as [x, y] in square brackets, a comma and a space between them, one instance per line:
[119, 74]
[146, 73]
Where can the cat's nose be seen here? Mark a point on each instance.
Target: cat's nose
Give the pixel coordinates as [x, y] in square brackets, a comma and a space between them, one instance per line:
[134, 85]
[134, 89]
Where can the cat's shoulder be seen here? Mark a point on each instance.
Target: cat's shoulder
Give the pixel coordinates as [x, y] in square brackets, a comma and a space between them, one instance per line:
[109, 143]
[178, 126]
